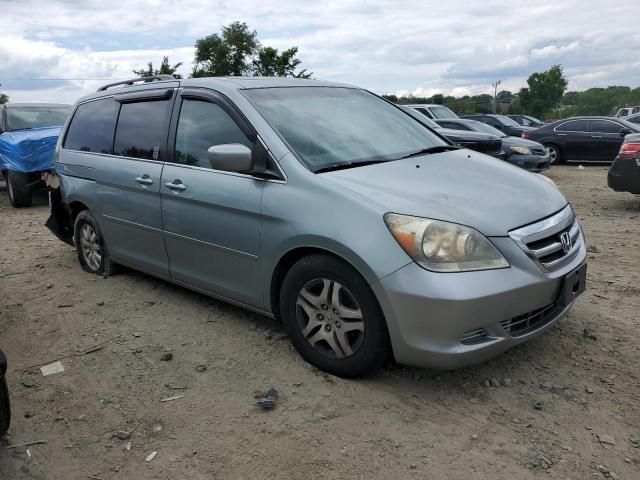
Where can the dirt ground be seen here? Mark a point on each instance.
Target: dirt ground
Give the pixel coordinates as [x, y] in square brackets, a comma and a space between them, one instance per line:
[561, 400]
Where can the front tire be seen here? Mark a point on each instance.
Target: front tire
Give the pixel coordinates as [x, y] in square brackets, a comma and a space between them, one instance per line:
[18, 188]
[333, 318]
[92, 251]
[555, 154]
[5, 407]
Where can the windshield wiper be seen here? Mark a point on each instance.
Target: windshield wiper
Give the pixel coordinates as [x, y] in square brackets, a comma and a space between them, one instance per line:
[345, 165]
[426, 151]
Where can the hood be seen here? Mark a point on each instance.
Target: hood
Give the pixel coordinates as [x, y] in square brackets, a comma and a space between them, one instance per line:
[520, 142]
[460, 186]
[632, 138]
[466, 136]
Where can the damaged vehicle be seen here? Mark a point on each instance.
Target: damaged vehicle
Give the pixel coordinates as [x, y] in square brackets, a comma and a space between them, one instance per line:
[624, 173]
[5, 406]
[28, 136]
[321, 204]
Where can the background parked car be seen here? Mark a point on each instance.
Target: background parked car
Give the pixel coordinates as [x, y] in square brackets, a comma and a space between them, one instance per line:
[501, 122]
[526, 120]
[518, 151]
[583, 138]
[633, 118]
[624, 174]
[5, 407]
[434, 111]
[28, 136]
[626, 111]
[487, 143]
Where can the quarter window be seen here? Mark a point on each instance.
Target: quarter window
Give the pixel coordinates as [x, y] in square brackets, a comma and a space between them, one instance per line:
[602, 126]
[202, 125]
[92, 127]
[573, 126]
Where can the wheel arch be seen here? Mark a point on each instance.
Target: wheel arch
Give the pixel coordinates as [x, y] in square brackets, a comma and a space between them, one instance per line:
[293, 255]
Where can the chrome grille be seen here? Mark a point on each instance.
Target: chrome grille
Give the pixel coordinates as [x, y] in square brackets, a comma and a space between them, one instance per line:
[529, 322]
[552, 242]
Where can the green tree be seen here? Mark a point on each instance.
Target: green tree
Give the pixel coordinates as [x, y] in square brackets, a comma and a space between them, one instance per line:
[226, 54]
[165, 69]
[237, 51]
[544, 92]
[4, 98]
[270, 63]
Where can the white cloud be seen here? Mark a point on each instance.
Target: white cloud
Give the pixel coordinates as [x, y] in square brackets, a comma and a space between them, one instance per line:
[457, 46]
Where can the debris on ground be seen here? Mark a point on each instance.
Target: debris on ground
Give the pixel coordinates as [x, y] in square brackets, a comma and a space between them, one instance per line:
[52, 368]
[590, 333]
[151, 456]
[165, 357]
[122, 435]
[593, 249]
[201, 368]
[606, 439]
[27, 444]
[171, 398]
[268, 401]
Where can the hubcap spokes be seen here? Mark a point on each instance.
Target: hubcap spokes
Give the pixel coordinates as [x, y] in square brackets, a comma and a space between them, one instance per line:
[552, 154]
[330, 318]
[90, 246]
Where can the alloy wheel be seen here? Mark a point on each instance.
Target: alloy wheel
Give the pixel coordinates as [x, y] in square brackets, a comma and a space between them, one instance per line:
[552, 152]
[330, 318]
[91, 249]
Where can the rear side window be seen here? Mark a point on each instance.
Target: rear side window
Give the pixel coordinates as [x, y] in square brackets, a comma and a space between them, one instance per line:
[602, 126]
[141, 130]
[202, 125]
[574, 126]
[92, 127]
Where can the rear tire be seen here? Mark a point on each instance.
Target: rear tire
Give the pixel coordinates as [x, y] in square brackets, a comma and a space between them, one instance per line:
[555, 154]
[92, 251]
[18, 189]
[333, 318]
[5, 407]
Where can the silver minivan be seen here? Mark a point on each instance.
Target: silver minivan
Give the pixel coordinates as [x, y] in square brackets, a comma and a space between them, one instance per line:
[367, 233]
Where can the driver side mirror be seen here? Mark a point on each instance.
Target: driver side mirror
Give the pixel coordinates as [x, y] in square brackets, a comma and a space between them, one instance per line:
[231, 157]
[625, 131]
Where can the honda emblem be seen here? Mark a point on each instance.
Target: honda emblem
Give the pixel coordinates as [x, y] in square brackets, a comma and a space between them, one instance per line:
[566, 241]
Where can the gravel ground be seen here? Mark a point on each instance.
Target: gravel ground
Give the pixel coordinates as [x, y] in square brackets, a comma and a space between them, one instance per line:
[565, 405]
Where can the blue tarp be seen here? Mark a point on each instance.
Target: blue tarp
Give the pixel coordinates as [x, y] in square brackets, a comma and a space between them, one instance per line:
[28, 150]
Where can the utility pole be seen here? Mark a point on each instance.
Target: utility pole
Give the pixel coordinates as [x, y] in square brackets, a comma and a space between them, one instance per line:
[495, 94]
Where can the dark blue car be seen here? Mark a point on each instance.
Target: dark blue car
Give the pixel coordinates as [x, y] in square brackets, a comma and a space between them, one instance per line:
[28, 136]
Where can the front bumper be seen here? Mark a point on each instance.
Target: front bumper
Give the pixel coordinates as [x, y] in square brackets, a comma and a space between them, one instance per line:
[624, 175]
[531, 163]
[431, 315]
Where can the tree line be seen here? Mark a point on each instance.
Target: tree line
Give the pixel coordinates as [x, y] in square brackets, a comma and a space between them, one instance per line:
[545, 97]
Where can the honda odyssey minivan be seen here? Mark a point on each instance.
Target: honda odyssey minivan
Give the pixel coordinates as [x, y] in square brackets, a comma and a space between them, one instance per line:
[367, 233]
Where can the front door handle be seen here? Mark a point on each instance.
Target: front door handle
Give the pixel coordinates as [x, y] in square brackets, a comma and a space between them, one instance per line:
[144, 180]
[176, 185]
[596, 136]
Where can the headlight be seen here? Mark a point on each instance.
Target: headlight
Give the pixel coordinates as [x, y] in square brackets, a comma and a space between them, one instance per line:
[521, 150]
[442, 246]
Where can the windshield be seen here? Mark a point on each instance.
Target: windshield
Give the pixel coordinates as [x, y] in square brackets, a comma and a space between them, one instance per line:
[333, 125]
[533, 120]
[442, 112]
[484, 128]
[20, 118]
[510, 122]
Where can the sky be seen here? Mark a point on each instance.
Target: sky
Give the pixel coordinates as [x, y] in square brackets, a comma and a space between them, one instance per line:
[60, 50]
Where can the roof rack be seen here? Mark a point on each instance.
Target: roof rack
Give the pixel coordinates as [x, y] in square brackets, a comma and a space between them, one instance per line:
[154, 78]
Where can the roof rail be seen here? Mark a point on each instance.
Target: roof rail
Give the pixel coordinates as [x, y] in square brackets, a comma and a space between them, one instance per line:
[154, 78]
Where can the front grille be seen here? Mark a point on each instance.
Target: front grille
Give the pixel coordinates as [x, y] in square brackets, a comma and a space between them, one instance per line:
[531, 321]
[483, 147]
[543, 241]
[472, 337]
